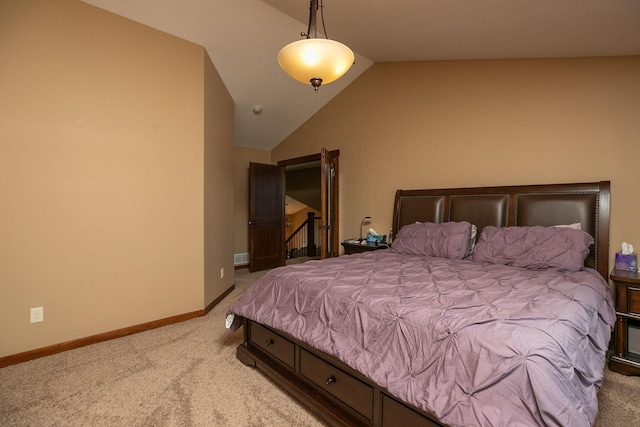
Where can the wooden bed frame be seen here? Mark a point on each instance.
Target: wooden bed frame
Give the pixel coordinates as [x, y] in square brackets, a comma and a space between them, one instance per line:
[342, 396]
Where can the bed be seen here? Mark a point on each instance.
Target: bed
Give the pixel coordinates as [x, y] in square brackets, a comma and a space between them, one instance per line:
[490, 308]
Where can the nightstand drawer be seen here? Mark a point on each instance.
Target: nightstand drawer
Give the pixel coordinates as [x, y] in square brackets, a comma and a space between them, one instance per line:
[273, 343]
[350, 390]
[633, 295]
[626, 359]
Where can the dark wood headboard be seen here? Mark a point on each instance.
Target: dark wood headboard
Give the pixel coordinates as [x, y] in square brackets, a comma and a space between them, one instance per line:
[518, 205]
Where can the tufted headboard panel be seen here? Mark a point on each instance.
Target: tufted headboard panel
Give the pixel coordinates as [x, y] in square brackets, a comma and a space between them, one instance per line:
[519, 205]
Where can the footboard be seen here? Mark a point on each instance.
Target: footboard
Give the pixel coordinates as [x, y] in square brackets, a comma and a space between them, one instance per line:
[335, 392]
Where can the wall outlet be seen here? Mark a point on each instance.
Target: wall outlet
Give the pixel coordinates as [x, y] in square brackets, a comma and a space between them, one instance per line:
[37, 314]
[222, 273]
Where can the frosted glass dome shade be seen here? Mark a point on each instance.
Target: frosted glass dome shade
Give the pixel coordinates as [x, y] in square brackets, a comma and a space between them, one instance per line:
[315, 58]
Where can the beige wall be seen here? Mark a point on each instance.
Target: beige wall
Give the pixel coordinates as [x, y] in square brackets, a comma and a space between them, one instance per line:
[474, 123]
[244, 156]
[102, 173]
[219, 175]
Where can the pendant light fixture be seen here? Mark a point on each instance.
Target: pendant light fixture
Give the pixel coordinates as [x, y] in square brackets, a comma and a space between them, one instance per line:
[315, 60]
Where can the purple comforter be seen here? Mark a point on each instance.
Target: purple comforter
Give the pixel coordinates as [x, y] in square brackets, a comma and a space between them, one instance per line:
[475, 344]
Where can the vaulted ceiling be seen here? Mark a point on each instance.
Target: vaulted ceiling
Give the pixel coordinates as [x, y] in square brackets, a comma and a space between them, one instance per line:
[243, 38]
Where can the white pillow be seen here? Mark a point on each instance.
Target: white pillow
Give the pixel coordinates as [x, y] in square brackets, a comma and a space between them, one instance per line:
[574, 226]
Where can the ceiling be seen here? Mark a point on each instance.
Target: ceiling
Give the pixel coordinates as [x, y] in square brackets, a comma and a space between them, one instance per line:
[243, 38]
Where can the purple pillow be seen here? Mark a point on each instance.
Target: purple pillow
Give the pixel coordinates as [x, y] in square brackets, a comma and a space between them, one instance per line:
[439, 240]
[536, 248]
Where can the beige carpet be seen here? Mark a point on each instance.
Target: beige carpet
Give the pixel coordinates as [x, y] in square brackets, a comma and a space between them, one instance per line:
[187, 375]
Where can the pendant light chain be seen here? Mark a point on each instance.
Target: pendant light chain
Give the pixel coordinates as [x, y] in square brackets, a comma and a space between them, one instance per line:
[326, 36]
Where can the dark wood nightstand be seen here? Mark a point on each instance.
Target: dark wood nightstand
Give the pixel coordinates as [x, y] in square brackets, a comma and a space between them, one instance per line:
[626, 357]
[355, 248]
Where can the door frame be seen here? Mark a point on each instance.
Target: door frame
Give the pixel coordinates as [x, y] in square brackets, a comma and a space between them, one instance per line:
[334, 206]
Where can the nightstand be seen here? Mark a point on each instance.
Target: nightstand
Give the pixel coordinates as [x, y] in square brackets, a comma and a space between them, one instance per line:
[626, 357]
[355, 248]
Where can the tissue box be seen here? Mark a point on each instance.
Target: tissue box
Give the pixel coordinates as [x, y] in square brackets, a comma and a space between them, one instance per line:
[626, 262]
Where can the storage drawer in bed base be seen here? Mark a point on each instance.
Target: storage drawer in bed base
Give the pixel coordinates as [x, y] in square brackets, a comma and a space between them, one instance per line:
[272, 343]
[348, 399]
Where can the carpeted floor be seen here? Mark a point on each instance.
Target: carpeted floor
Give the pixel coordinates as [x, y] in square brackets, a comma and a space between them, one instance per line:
[187, 375]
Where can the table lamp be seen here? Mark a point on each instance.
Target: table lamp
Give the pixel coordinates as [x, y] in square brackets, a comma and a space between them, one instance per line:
[365, 219]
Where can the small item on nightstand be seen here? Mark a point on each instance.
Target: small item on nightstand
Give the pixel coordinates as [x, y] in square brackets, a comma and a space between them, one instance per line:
[626, 260]
[390, 239]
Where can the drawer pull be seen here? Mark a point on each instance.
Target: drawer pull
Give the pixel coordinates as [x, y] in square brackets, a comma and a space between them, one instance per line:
[268, 342]
[331, 380]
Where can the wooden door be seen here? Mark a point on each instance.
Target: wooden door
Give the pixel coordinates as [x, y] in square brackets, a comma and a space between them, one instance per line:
[329, 204]
[266, 216]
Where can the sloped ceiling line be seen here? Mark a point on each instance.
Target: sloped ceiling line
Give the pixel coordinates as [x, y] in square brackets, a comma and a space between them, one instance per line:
[244, 37]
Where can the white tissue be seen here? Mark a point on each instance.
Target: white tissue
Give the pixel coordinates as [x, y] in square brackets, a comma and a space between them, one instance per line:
[229, 321]
[627, 248]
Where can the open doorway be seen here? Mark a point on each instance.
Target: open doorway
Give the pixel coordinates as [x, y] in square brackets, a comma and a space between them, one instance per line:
[312, 206]
[303, 211]
[267, 220]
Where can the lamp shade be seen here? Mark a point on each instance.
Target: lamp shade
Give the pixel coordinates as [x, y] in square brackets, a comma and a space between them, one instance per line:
[315, 58]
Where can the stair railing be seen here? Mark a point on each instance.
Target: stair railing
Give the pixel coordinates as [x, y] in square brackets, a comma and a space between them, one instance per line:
[304, 241]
